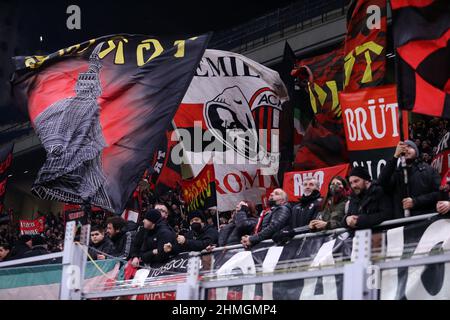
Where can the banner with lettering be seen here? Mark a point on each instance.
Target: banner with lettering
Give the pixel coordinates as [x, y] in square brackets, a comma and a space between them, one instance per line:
[75, 213]
[199, 193]
[5, 163]
[442, 158]
[35, 226]
[365, 44]
[100, 109]
[230, 115]
[371, 125]
[293, 181]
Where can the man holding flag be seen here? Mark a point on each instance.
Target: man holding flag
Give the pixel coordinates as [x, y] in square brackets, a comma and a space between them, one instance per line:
[421, 192]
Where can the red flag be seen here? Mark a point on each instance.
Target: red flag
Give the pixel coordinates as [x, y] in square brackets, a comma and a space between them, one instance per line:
[421, 39]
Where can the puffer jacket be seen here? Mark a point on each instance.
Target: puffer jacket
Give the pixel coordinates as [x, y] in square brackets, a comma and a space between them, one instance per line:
[273, 222]
[241, 225]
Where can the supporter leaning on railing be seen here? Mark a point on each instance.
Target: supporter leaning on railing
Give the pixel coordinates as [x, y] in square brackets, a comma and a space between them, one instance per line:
[369, 205]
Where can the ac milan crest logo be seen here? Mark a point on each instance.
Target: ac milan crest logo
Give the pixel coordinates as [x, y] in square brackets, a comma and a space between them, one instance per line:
[247, 127]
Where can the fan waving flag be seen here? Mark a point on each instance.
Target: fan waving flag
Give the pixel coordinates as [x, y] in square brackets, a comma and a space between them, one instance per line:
[421, 39]
[100, 109]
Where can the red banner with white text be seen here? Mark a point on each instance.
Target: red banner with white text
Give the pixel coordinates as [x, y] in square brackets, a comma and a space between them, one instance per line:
[371, 123]
[293, 180]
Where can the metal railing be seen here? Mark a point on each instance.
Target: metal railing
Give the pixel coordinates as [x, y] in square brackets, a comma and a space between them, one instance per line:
[194, 284]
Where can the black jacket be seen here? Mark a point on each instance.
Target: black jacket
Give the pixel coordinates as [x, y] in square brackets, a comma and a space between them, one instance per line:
[274, 221]
[105, 246]
[306, 210]
[199, 241]
[122, 244]
[372, 207]
[423, 182]
[19, 250]
[148, 240]
[241, 225]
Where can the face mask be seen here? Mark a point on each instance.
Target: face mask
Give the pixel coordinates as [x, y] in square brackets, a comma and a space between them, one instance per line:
[334, 189]
[196, 227]
[272, 203]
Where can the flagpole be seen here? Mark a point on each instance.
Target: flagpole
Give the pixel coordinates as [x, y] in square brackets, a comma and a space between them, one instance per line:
[217, 214]
[407, 212]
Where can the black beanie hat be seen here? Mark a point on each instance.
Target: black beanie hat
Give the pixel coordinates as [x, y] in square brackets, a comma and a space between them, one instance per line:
[153, 215]
[197, 214]
[361, 173]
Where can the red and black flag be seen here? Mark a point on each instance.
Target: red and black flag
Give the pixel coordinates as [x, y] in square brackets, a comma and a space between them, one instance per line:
[5, 163]
[421, 40]
[327, 74]
[199, 193]
[365, 44]
[100, 109]
[164, 174]
[323, 144]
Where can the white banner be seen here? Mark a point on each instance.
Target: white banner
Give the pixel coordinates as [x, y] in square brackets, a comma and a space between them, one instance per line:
[230, 114]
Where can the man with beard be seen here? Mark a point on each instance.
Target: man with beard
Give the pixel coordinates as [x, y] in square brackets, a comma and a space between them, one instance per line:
[334, 206]
[302, 213]
[310, 203]
[421, 192]
[368, 204]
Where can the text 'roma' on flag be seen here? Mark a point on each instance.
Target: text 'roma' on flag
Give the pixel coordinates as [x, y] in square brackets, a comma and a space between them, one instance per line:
[100, 109]
[421, 40]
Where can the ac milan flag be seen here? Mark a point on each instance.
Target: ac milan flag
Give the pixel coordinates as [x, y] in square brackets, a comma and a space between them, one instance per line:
[5, 163]
[421, 40]
[230, 115]
[100, 109]
[365, 44]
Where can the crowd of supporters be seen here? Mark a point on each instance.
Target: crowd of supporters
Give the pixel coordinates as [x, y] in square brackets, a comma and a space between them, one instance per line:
[164, 229]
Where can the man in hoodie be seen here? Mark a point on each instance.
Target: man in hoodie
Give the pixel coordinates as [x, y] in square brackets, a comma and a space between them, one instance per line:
[148, 246]
[102, 245]
[200, 235]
